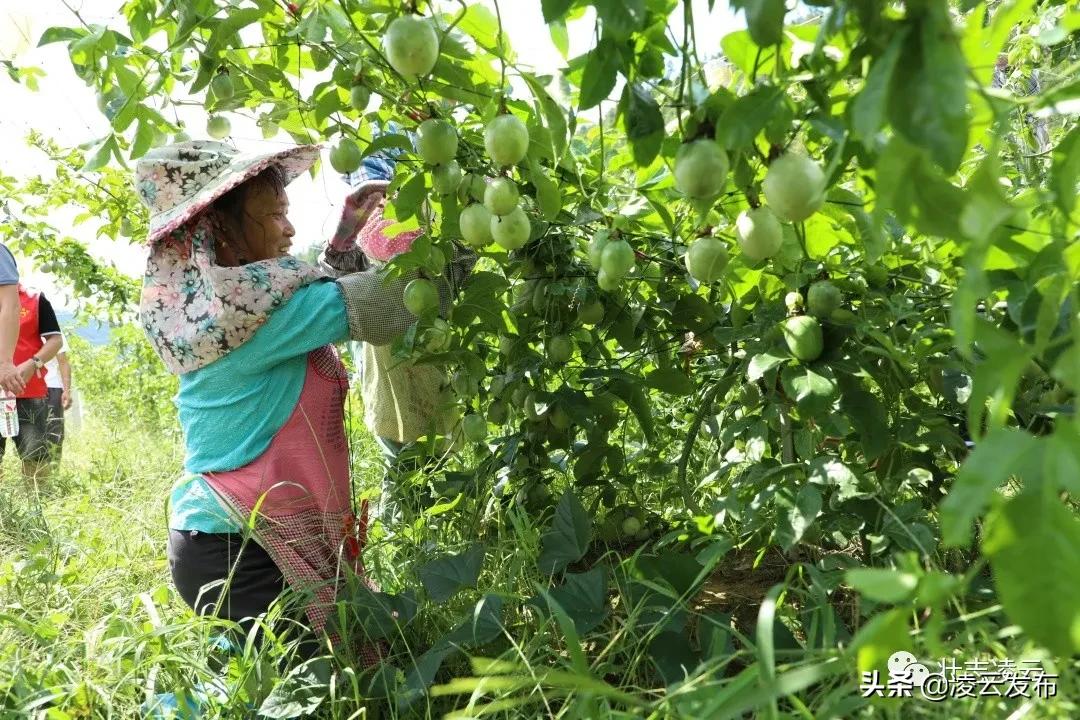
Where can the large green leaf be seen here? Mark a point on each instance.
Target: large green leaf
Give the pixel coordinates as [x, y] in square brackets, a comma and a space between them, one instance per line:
[868, 107]
[598, 78]
[569, 536]
[583, 596]
[882, 584]
[871, 420]
[482, 299]
[483, 625]
[444, 576]
[741, 121]
[643, 122]
[928, 96]
[1033, 542]
[620, 18]
[997, 457]
[555, 9]
[1065, 172]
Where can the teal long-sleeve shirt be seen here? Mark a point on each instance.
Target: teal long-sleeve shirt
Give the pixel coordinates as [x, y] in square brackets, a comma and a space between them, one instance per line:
[231, 409]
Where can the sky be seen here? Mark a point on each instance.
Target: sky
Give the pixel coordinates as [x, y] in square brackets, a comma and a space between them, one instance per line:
[64, 108]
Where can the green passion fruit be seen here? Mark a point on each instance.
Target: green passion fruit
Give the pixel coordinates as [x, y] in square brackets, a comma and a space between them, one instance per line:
[701, 169]
[345, 157]
[706, 259]
[802, 334]
[359, 97]
[759, 233]
[506, 139]
[511, 231]
[617, 259]
[474, 427]
[446, 178]
[411, 45]
[436, 141]
[222, 85]
[501, 196]
[560, 348]
[607, 282]
[421, 296]
[591, 313]
[794, 187]
[475, 226]
[218, 127]
[599, 241]
[823, 298]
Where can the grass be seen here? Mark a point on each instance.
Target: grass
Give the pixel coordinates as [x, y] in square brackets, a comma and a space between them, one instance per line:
[89, 627]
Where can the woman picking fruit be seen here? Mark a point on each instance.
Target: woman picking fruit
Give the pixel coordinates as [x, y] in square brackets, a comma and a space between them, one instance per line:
[265, 503]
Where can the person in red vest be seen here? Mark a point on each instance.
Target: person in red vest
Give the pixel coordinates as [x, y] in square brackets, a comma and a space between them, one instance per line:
[39, 341]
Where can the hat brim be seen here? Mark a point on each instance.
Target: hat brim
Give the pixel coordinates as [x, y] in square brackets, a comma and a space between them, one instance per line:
[293, 162]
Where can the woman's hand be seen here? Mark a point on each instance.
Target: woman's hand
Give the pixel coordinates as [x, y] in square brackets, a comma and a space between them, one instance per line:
[358, 208]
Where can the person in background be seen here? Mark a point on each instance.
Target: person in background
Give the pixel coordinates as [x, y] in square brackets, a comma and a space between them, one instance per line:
[10, 379]
[58, 382]
[38, 342]
[402, 401]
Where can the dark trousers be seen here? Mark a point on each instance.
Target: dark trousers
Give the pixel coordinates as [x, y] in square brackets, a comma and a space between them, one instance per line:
[252, 581]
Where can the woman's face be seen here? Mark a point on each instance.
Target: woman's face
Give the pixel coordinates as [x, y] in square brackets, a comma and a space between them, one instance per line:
[266, 228]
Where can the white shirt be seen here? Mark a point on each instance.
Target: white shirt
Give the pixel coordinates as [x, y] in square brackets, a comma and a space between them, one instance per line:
[52, 368]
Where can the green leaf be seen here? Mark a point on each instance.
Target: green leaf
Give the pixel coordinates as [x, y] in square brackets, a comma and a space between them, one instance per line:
[598, 77]
[444, 576]
[800, 514]
[388, 141]
[548, 197]
[482, 299]
[554, 118]
[997, 457]
[634, 397]
[560, 38]
[483, 626]
[583, 596]
[741, 121]
[411, 194]
[99, 158]
[422, 675]
[60, 34]
[813, 391]
[1033, 542]
[763, 363]
[643, 122]
[825, 470]
[885, 634]
[555, 9]
[670, 380]
[620, 18]
[482, 25]
[928, 96]
[873, 237]
[569, 536]
[987, 207]
[765, 20]
[882, 585]
[870, 419]
[868, 107]
[1065, 172]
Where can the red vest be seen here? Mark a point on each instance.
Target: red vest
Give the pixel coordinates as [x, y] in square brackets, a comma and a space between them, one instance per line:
[30, 342]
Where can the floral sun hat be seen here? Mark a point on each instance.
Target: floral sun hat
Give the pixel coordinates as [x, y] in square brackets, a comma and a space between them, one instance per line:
[179, 181]
[193, 310]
